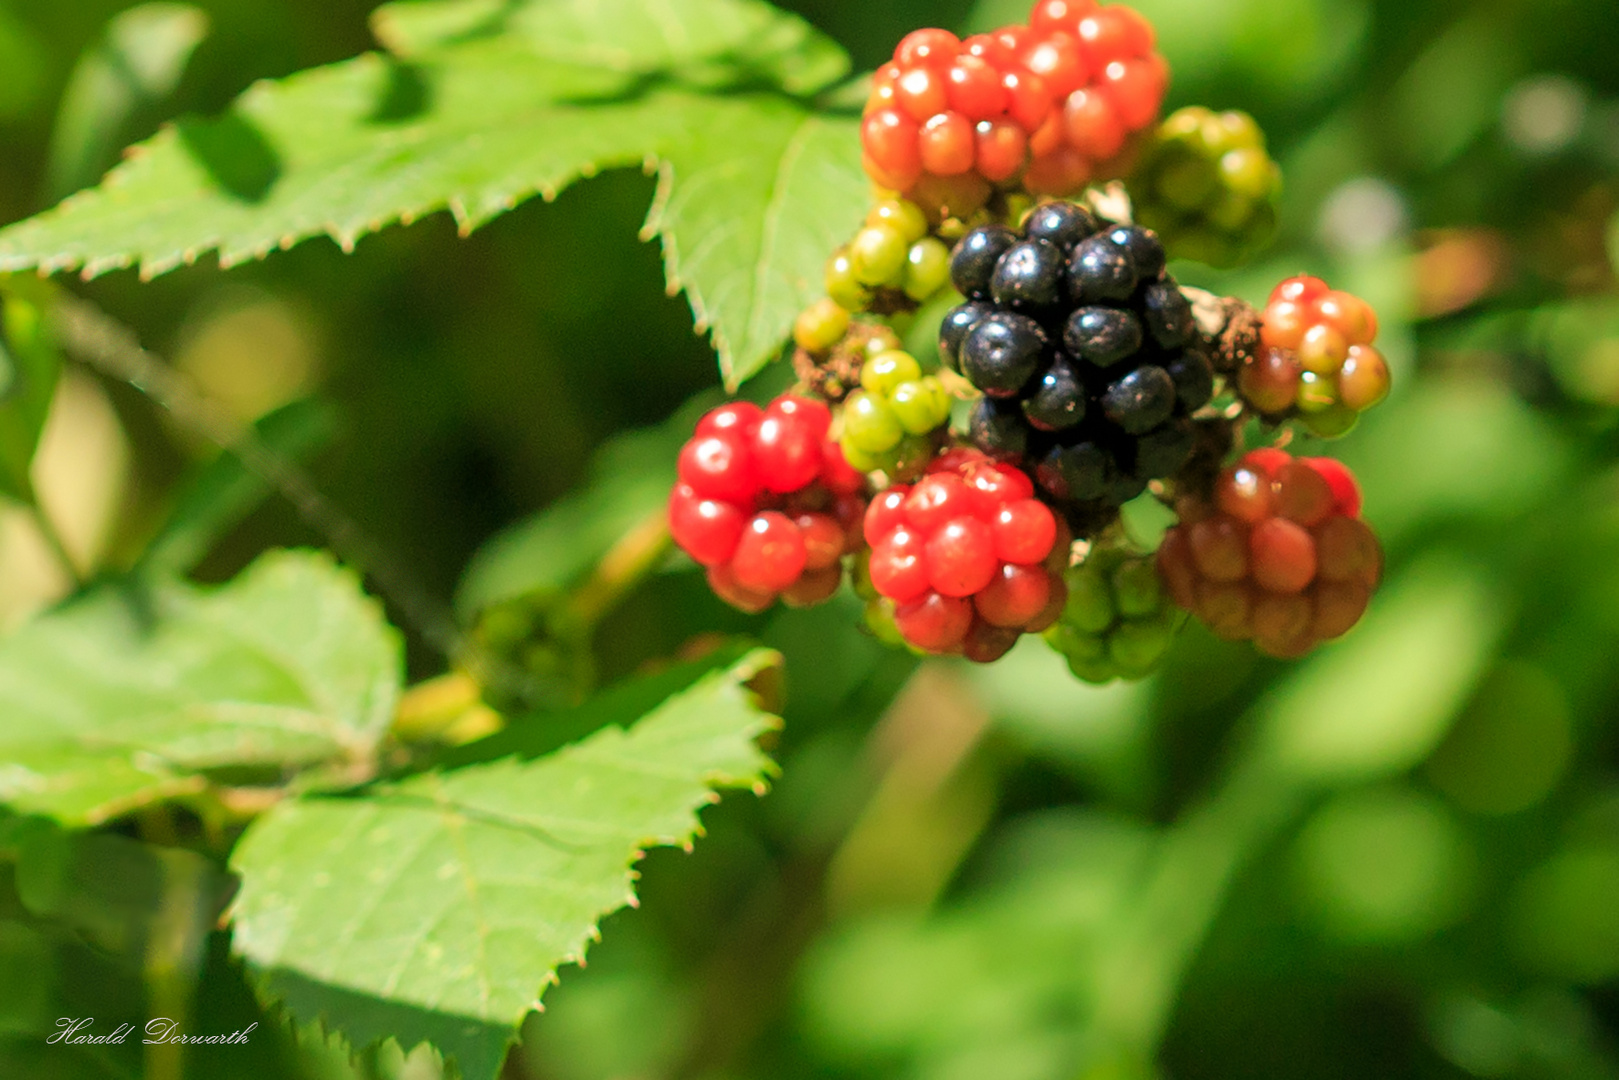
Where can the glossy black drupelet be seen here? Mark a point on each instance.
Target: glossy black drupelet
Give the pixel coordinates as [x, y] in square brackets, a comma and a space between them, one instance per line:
[973, 262]
[1086, 351]
[1002, 352]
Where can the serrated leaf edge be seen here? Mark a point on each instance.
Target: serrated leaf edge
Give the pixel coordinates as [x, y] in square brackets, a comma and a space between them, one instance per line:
[745, 671]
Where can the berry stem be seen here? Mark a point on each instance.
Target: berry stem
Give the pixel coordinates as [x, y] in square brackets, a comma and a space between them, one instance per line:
[631, 559]
[58, 547]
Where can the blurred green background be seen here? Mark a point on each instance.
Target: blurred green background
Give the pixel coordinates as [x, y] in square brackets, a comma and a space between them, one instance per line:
[1399, 858]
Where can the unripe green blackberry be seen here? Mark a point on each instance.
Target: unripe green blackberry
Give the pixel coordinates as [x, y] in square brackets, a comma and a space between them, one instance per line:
[892, 264]
[1118, 622]
[877, 256]
[820, 326]
[901, 215]
[1207, 187]
[833, 373]
[927, 268]
[890, 422]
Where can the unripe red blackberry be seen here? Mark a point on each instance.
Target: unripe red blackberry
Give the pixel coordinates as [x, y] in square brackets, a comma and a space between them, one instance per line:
[1055, 104]
[1315, 360]
[1277, 554]
[1107, 83]
[766, 502]
[946, 119]
[1207, 186]
[966, 559]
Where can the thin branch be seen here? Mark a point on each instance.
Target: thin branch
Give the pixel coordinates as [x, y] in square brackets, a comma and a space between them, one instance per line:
[53, 540]
[113, 349]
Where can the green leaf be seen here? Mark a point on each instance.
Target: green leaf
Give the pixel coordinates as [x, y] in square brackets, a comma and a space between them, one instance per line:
[32, 366]
[619, 705]
[23, 67]
[755, 186]
[223, 491]
[541, 557]
[1378, 703]
[139, 61]
[27, 975]
[723, 38]
[126, 697]
[137, 901]
[750, 206]
[438, 909]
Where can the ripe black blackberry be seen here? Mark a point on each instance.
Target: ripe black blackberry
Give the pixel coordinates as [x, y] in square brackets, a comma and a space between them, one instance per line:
[1086, 352]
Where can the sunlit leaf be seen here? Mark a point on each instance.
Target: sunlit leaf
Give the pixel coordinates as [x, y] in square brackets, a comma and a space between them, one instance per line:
[31, 366]
[756, 186]
[138, 61]
[439, 908]
[125, 697]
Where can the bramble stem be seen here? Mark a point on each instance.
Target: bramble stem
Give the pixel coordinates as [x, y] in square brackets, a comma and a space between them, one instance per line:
[53, 540]
[113, 349]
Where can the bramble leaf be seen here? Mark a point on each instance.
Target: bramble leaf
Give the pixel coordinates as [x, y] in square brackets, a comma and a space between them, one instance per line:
[127, 697]
[488, 105]
[439, 908]
[220, 493]
[29, 369]
[722, 37]
[541, 556]
[137, 63]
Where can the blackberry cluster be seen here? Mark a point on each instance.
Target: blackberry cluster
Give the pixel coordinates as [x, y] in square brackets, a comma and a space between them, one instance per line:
[892, 263]
[892, 421]
[1316, 359]
[1277, 555]
[1107, 81]
[1086, 352]
[1093, 377]
[1054, 103]
[1118, 622]
[1207, 186]
[967, 560]
[766, 502]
